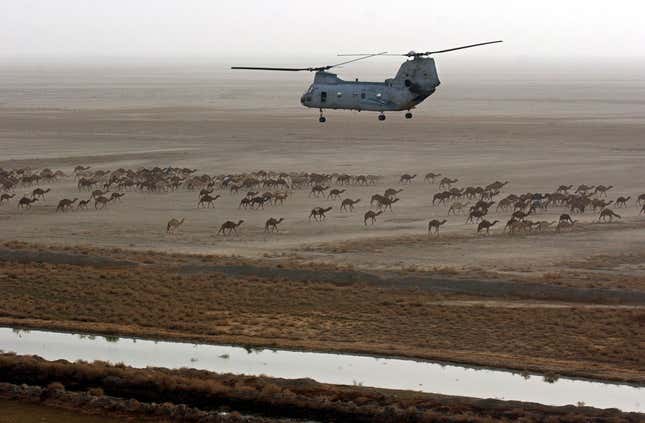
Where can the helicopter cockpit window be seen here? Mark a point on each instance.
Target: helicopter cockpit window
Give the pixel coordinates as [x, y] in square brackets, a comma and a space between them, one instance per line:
[310, 90]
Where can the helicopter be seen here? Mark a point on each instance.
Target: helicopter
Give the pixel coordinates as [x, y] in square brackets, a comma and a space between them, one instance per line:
[415, 81]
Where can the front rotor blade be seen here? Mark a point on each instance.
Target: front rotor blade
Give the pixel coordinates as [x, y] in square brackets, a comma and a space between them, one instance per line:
[367, 56]
[462, 47]
[272, 69]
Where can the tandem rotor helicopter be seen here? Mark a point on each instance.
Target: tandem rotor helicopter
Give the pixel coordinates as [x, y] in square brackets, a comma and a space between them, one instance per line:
[415, 81]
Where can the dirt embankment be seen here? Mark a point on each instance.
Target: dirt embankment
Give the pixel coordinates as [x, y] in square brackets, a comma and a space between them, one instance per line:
[202, 394]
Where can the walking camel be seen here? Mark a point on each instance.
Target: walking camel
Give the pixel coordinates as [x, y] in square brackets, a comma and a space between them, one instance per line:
[207, 201]
[116, 196]
[335, 193]
[348, 203]
[564, 189]
[447, 182]
[622, 201]
[173, 224]
[103, 201]
[230, 227]
[486, 225]
[40, 193]
[391, 192]
[319, 213]
[271, 224]
[83, 204]
[430, 177]
[406, 178]
[608, 214]
[65, 204]
[602, 190]
[386, 203]
[434, 224]
[318, 190]
[6, 197]
[371, 215]
[26, 202]
[457, 207]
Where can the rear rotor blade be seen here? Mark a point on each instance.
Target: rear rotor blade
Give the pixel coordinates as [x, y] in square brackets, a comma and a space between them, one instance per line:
[462, 47]
[271, 69]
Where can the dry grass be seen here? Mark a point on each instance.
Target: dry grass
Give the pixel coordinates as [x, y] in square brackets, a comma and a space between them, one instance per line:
[155, 300]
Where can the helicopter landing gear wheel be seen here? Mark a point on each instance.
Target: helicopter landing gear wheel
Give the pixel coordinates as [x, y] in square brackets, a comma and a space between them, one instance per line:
[381, 117]
[322, 119]
[408, 115]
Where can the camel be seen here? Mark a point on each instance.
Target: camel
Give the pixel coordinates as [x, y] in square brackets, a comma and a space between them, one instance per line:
[99, 193]
[173, 224]
[440, 197]
[564, 224]
[447, 182]
[317, 190]
[102, 201]
[457, 207]
[244, 203]
[259, 201]
[271, 225]
[434, 224]
[584, 188]
[371, 215]
[406, 178]
[476, 215]
[318, 213]
[385, 203]
[65, 204]
[600, 204]
[486, 225]
[496, 186]
[391, 192]
[602, 190]
[376, 198]
[207, 200]
[565, 218]
[641, 199]
[83, 204]
[622, 201]
[206, 191]
[40, 193]
[230, 227]
[608, 213]
[116, 196]
[564, 189]
[6, 197]
[430, 177]
[280, 197]
[520, 215]
[348, 203]
[26, 202]
[335, 193]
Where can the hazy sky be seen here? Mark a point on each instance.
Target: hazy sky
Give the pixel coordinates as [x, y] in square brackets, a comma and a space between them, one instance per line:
[217, 29]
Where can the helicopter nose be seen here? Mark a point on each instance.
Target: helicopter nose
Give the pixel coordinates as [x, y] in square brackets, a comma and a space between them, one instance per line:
[302, 100]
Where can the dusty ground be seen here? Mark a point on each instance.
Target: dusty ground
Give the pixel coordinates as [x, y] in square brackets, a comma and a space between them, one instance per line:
[551, 291]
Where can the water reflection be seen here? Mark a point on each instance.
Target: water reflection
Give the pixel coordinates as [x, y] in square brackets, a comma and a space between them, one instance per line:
[342, 369]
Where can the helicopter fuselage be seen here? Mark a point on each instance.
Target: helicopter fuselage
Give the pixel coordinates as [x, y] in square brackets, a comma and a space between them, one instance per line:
[415, 81]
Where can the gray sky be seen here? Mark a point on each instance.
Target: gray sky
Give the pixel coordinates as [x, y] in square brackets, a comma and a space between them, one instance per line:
[232, 29]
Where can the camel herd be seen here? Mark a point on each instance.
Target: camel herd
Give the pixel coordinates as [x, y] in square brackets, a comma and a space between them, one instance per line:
[260, 190]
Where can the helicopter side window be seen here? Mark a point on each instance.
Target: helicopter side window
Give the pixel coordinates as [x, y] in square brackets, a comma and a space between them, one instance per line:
[363, 96]
[323, 96]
